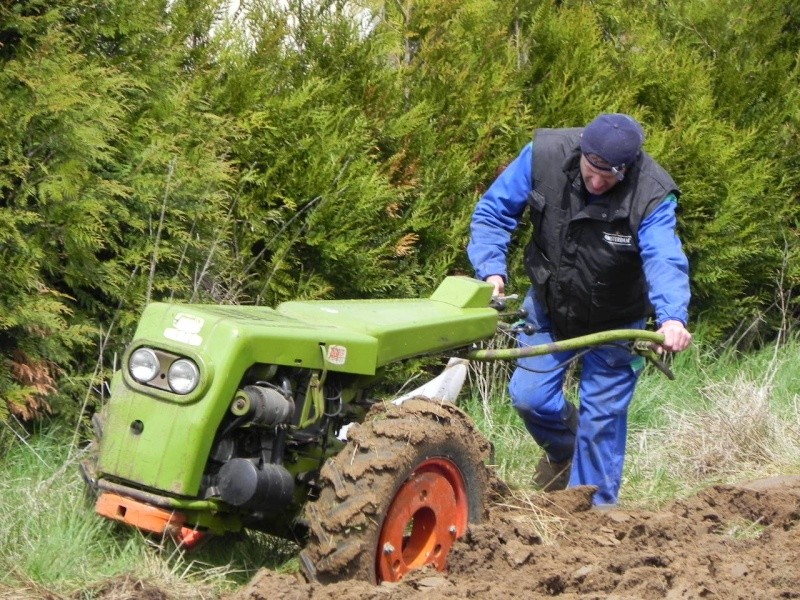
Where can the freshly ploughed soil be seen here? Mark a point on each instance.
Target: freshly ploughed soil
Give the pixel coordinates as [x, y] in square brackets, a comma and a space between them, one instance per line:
[727, 542]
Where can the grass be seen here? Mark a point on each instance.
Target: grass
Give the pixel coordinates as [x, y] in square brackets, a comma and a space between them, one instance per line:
[490, 407]
[745, 530]
[725, 418]
[53, 545]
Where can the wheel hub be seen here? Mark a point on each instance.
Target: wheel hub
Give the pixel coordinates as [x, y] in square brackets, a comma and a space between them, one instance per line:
[429, 511]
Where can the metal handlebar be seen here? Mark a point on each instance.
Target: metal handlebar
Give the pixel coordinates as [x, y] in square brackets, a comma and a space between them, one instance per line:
[644, 343]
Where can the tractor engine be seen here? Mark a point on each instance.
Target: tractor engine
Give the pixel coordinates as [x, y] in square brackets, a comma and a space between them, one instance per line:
[259, 436]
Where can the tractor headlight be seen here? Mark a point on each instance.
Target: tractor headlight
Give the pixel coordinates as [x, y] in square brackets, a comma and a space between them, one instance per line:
[164, 371]
[183, 376]
[143, 365]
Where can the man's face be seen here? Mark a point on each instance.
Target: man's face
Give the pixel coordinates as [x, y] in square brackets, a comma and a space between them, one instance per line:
[597, 181]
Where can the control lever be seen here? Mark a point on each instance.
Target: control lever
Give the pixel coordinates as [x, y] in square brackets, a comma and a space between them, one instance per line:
[648, 350]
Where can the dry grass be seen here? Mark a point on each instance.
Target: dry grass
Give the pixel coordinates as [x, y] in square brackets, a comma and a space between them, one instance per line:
[28, 591]
[739, 434]
[150, 584]
[515, 452]
[489, 380]
[546, 523]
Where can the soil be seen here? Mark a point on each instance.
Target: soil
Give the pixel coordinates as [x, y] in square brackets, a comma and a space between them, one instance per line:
[727, 542]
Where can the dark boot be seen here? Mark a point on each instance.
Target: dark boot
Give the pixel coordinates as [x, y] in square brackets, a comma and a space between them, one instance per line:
[551, 475]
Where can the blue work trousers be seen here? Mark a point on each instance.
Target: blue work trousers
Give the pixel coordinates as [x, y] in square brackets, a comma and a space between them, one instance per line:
[608, 377]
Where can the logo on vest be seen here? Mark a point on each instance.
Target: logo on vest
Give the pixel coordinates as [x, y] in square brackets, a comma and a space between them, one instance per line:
[616, 239]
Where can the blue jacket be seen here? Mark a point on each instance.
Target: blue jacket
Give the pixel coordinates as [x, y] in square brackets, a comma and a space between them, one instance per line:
[501, 208]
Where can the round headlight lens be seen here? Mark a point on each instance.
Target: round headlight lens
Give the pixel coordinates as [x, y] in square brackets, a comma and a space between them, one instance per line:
[143, 365]
[183, 376]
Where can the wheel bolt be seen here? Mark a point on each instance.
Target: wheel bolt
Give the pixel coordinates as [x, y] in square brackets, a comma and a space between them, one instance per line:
[388, 548]
[452, 529]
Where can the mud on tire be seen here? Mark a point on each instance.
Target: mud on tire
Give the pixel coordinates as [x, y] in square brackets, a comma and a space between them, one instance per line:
[425, 463]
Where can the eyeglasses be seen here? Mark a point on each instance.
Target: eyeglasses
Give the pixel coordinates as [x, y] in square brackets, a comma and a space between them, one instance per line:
[618, 171]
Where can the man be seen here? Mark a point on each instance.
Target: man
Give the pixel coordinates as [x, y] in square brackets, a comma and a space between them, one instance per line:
[603, 255]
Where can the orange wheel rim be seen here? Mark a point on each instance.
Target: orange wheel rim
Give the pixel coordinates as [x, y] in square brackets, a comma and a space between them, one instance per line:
[427, 514]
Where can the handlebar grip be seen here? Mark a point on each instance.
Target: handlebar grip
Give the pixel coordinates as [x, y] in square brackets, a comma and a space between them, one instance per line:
[498, 303]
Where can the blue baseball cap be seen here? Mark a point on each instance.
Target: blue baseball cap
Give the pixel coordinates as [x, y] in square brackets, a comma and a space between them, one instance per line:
[615, 138]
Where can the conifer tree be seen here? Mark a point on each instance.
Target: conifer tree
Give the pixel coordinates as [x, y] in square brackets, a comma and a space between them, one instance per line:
[59, 118]
[717, 112]
[156, 150]
[112, 172]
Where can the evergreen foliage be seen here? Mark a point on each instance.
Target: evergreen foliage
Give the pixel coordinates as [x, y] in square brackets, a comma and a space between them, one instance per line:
[165, 150]
[112, 183]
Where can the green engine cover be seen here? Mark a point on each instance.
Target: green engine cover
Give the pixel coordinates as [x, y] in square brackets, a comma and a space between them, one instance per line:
[160, 440]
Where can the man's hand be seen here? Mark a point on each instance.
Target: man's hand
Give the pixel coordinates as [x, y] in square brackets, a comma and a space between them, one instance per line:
[499, 285]
[676, 336]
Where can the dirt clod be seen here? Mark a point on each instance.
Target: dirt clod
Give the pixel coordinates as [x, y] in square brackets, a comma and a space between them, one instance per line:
[729, 541]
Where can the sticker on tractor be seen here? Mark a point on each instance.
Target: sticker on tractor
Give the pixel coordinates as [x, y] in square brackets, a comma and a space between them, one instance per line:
[337, 355]
[185, 328]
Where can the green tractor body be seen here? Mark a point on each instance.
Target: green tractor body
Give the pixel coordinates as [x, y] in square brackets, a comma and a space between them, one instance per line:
[223, 416]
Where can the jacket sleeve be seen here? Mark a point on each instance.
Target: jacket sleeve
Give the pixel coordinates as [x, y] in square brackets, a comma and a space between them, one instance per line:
[666, 267]
[497, 216]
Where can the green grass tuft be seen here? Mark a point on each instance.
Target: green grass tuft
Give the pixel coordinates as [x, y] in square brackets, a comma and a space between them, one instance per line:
[52, 541]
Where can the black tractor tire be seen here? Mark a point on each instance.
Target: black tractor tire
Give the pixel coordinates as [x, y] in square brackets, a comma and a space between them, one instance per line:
[407, 483]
